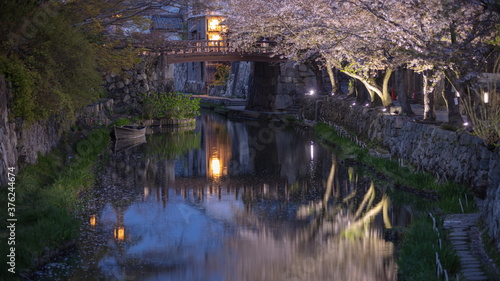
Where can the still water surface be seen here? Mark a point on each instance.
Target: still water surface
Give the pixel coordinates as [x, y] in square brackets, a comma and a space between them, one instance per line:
[232, 200]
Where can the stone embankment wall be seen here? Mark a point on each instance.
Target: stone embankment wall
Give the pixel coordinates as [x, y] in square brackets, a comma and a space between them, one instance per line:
[21, 142]
[460, 157]
[153, 74]
[280, 87]
[181, 82]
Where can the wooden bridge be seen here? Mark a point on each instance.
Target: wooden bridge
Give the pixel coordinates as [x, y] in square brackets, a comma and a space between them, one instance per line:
[182, 51]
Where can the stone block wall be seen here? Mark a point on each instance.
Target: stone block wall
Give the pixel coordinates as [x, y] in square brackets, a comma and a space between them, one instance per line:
[280, 87]
[460, 157]
[153, 74]
[238, 85]
[181, 82]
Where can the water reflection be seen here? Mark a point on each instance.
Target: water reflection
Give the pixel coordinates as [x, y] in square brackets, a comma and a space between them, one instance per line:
[235, 200]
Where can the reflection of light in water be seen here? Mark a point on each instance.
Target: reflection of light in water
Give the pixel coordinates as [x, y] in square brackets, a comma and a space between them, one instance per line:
[92, 220]
[215, 164]
[146, 192]
[312, 151]
[120, 233]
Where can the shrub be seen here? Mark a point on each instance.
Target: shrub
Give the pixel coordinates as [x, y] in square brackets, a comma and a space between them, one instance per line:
[170, 105]
[54, 73]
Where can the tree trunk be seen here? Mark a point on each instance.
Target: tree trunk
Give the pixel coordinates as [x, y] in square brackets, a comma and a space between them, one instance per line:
[429, 97]
[454, 117]
[333, 74]
[372, 87]
[402, 95]
[386, 96]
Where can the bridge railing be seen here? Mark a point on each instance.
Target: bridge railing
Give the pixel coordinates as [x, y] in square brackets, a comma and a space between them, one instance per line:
[213, 46]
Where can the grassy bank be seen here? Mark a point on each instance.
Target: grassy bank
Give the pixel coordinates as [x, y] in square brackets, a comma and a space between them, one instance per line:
[45, 200]
[425, 194]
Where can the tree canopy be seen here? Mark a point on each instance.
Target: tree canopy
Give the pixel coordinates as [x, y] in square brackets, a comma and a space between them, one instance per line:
[363, 37]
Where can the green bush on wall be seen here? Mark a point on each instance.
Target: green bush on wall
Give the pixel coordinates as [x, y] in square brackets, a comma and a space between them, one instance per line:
[170, 105]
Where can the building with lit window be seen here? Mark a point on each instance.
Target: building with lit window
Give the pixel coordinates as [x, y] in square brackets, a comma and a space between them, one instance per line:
[201, 28]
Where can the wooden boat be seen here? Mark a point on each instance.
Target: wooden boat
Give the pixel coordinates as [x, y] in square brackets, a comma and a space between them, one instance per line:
[126, 132]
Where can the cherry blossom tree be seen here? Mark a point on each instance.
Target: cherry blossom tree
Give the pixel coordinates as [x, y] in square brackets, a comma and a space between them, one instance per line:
[365, 38]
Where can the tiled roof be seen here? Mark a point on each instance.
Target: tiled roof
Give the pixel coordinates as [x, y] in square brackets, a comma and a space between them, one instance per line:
[167, 22]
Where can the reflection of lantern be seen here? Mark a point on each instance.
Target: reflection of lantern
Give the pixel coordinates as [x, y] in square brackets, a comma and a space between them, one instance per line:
[146, 192]
[215, 164]
[486, 100]
[120, 233]
[212, 25]
[92, 220]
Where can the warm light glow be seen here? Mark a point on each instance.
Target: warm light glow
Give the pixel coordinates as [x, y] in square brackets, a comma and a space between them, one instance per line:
[458, 94]
[486, 98]
[215, 166]
[92, 220]
[215, 37]
[146, 192]
[120, 233]
[212, 25]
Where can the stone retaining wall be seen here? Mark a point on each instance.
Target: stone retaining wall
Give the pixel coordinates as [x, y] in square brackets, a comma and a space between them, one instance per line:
[153, 74]
[22, 143]
[460, 157]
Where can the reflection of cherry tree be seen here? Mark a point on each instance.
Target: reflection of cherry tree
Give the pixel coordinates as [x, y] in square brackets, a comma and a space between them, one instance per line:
[321, 250]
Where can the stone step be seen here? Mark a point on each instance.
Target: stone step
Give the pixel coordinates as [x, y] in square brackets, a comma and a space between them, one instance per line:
[459, 225]
[475, 277]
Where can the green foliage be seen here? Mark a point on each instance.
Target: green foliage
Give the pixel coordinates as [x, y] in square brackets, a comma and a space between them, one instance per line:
[170, 105]
[122, 122]
[53, 73]
[417, 258]
[47, 194]
[169, 146]
[12, 16]
[24, 83]
[221, 75]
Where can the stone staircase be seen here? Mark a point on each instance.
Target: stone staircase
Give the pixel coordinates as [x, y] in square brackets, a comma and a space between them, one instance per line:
[460, 226]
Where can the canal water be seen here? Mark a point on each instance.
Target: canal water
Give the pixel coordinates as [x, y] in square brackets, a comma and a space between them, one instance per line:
[232, 200]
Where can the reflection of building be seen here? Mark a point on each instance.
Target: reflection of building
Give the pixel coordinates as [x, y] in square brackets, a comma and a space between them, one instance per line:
[205, 27]
[218, 150]
[119, 230]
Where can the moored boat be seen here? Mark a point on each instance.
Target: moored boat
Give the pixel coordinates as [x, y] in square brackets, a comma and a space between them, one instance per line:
[127, 131]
